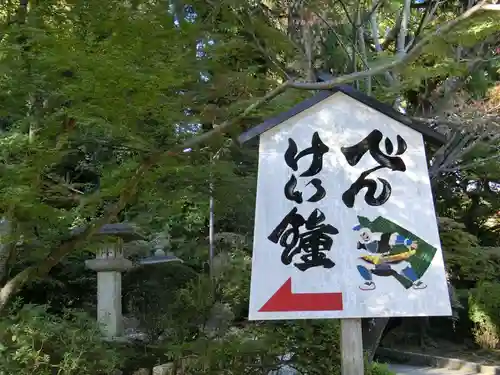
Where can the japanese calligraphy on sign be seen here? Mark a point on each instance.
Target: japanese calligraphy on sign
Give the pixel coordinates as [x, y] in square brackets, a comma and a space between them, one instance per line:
[316, 239]
[344, 223]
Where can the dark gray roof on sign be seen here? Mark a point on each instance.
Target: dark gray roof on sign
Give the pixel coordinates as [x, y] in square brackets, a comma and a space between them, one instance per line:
[429, 134]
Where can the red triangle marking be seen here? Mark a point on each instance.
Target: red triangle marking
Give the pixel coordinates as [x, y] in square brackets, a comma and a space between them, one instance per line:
[285, 300]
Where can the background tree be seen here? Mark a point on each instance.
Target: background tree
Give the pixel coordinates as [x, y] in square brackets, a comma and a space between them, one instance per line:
[101, 102]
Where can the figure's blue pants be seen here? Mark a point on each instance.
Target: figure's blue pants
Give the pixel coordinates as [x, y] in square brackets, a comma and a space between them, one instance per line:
[410, 274]
[365, 274]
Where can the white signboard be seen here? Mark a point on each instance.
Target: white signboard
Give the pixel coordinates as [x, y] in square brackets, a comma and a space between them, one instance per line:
[345, 225]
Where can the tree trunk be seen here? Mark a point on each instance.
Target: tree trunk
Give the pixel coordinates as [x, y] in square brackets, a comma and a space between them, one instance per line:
[5, 249]
[372, 335]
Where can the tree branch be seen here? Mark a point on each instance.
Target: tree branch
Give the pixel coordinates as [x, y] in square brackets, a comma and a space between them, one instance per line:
[426, 18]
[400, 60]
[346, 11]
[354, 41]
[466, 143]
[362, 49]
[260, 46]
[440, 156]
[393, 33]
[458, 146]
[341, 43]
[471, 165]
[377, 4]
[62, 183]
[6, 247]
[492, 7]
[403, 29]
[456, 125]
[374, 29]
[376, 41]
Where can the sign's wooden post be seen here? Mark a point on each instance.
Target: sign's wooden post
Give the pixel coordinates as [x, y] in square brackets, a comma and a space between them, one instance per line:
[351, 347]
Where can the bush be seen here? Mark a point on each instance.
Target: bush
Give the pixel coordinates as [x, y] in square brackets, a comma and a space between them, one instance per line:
[315, 344]
[35, 342]
[69, 284]
[149, 290]
[484, 304]
[378, 369]
[308, 346]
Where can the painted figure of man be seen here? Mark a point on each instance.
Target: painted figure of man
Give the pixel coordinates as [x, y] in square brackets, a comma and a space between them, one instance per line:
[388, 256]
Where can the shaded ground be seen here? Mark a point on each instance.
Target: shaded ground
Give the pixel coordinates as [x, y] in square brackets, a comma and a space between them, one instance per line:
[453, 350]
[403, 339]
[410, 370]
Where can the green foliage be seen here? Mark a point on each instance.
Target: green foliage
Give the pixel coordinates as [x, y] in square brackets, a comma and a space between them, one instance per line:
[69, 285]
[484, 304]
[454, 236]
[378, 369]
[485, 162]
[148, 291]
[255, 349]
[233, 282]
[32, 341]
[463, 258]
[314, 344]
[90, 88]
[466, 261]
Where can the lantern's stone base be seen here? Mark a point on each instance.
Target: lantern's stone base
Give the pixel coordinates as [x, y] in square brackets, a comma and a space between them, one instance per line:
[109, 292]
[109, 303]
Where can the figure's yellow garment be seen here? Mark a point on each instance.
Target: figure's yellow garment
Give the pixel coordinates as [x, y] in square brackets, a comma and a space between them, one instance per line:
[377, 259]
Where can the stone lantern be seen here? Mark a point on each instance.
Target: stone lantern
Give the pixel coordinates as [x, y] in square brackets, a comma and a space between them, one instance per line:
[159, 255]
[109, 265]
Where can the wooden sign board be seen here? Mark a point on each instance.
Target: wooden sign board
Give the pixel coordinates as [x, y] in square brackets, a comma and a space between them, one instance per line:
[345, 225]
